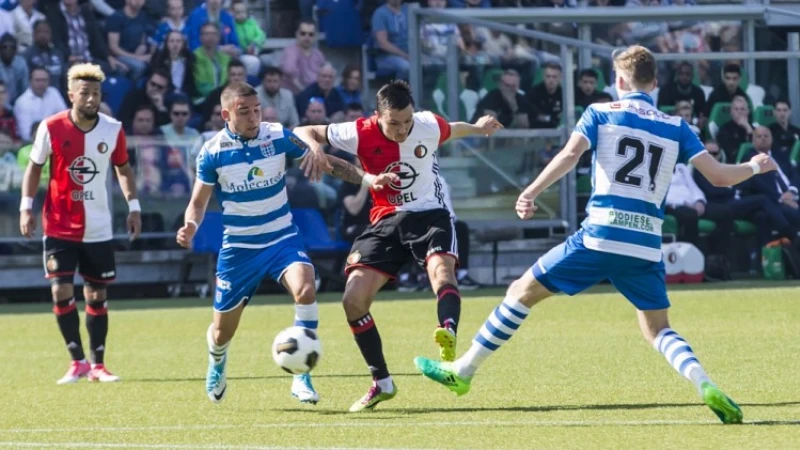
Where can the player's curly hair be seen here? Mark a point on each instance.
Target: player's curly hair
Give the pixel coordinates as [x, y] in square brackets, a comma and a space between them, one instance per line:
[636, 65]
[85, 72]
[395, 94]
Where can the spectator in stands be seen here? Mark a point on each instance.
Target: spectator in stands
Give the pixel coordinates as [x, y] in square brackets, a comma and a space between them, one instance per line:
[79, 37]
[146, 151]
[270, 114]
[300, 191]
[175, 59]
[128, 33]
[6, 22]
[315, 113]
[355, 202]
[272, 95]
[390, 31]
[323, 88]
[43, 54]
[353, 112]
[682, 89]
[777, 186]
[211, 63]
[212, 12]
[236, 74]
[8, 123]
[251, 36]
[684, 110]
[587, 92]
[784, 133]
[546, 97]
[506, 103]
[763, 143]
[350, 89]
[13, 68]
[469, 3]
[24, 156]
[174, 21]
[177, 132]
[731, 77]
[301, 60]
[37, 103]
[435, 38]
[25, 16]
[736, 132]
[153, 95]
[687, 202]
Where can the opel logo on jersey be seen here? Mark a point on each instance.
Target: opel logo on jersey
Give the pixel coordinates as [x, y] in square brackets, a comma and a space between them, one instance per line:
[420, 151]
[102, 147]
[405, 172]
[82, 170]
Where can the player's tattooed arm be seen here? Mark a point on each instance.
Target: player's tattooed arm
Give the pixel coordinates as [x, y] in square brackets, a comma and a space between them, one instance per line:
[347, 172]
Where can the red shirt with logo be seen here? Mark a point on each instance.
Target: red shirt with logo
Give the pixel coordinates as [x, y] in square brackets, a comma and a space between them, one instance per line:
[76, 207]
[420, 187]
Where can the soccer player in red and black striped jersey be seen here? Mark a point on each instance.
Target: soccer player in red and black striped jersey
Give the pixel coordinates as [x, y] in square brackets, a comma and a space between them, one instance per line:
[80, 144]
[410, 219]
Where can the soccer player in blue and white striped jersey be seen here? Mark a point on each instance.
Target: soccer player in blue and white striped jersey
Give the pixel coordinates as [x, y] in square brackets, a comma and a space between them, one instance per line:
[635, 148]
[245, 166]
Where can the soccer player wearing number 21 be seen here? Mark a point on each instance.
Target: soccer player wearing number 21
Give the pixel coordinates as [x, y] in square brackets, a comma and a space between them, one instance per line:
[410, 220]
[80, 144]
[245, 164]
[635, 150]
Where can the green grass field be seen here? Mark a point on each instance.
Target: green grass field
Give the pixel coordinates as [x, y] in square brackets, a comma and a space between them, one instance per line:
[577, 375]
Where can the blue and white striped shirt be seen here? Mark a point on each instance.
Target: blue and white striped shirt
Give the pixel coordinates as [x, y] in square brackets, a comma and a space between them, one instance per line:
[635, 148]
[249, 180]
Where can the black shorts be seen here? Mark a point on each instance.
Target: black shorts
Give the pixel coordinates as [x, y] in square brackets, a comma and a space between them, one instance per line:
[94, 261]
[397, 239]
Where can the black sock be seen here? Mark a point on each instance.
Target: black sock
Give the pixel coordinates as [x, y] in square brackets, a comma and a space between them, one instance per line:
[70, 325]
[97, 325]
[369, 342]
[448, 306]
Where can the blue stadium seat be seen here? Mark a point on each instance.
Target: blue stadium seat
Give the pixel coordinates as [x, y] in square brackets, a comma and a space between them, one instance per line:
[315, 232]
[253, 80]
[114, 91]
[208, 238]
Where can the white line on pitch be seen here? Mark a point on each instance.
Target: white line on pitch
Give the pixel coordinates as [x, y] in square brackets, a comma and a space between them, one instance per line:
[534, 423]
[168, 446]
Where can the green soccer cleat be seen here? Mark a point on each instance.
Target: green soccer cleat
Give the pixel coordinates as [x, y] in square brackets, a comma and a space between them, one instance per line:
[726, 409]
[443, 373]
[374, 396]
[446, 339]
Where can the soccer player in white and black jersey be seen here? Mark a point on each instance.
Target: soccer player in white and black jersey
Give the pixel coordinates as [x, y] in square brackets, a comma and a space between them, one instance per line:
[80, 144]
[409, 219]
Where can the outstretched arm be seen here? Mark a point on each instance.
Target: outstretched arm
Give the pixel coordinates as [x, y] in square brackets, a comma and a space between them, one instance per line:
[486, 125]
[724, 175]
[345, 171]
[561, 164]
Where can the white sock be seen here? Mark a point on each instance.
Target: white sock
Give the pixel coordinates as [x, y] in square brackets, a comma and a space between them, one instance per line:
[216, 351]
[502, 323]
[681, 357]
[306, 316]
[386, 384]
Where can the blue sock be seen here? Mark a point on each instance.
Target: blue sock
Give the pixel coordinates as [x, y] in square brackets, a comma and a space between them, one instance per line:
[680, 356]
[502, 323]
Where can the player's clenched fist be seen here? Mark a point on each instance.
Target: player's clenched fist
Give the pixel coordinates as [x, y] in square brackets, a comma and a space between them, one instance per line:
[489, 125]
[525, 207]
[27, 223]
[384, 179]
[186, 234]
[765, 162]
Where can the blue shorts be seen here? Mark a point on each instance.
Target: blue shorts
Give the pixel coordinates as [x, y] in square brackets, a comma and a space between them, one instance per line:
[572, 268]
[240, 270]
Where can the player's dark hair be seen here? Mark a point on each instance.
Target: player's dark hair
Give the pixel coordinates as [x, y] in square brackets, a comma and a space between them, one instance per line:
[235, 91]
[395, 94]
[732, 68]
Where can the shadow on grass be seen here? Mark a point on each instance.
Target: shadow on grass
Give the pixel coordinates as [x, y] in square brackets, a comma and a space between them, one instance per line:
[259, 377]
[555, 408]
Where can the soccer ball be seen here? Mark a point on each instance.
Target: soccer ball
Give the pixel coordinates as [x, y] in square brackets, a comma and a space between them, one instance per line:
[296, 350]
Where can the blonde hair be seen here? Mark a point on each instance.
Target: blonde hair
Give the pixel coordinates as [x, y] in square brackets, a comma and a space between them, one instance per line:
[636, 65]
[85, 72]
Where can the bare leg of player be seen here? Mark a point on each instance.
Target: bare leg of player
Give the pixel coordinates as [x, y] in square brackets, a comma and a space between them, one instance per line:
[442, 273]
[219, 338]
[97, 326]
[69, 323]
[656, 330]
[362, 286]
[299, 281]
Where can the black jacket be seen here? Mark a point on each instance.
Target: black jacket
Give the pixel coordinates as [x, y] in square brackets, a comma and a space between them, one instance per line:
[58, 24]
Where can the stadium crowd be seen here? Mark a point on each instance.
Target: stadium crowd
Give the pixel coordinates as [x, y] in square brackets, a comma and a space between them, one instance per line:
[168, 63]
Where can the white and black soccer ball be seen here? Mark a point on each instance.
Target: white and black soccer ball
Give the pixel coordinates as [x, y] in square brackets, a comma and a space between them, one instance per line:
[296, 350]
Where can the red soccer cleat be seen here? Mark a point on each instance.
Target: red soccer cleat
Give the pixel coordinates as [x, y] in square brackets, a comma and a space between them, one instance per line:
[77, 370]
[101, 374]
